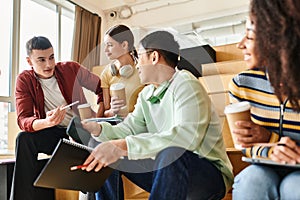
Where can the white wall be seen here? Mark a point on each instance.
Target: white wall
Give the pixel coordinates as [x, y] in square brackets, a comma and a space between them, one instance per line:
[172, 15]
[187, 16]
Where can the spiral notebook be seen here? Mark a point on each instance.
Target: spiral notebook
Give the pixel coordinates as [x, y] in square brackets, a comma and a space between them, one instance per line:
[57, 172]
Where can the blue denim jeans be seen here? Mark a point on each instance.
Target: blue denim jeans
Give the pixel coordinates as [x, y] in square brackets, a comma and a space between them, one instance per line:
[176, 174]
[264, 182]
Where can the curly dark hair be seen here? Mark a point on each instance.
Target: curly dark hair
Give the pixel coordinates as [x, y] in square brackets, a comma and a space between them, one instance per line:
[277, 24]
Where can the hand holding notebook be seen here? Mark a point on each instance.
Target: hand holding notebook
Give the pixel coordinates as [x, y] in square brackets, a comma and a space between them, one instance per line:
[57, 172]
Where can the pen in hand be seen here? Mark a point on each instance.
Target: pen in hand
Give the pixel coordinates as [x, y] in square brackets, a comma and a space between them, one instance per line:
[77, 167]
[69, 105]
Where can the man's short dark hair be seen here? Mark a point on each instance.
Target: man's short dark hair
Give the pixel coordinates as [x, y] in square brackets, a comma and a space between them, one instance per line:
[164, 43]
[38, 43]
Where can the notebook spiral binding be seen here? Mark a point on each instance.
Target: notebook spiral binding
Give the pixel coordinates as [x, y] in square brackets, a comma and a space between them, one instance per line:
[77, 145]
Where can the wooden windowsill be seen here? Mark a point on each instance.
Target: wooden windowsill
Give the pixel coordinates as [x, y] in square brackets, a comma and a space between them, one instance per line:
[6, 154]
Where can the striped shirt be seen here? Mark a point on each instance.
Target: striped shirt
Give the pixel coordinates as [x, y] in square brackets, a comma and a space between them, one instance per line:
[254, 86]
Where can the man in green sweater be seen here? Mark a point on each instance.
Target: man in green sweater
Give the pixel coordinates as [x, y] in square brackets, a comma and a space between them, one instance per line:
[171, 143]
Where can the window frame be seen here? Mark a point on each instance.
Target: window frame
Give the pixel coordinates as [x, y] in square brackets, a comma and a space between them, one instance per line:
[60, 8]
[15, 43]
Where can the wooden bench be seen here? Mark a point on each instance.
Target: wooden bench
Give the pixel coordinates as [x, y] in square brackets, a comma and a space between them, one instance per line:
[215, 80]
[225, 67]
[219, 96]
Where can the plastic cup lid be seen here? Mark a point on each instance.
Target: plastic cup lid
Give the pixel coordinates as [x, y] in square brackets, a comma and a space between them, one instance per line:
[84, 105]
[237, 107]
[117, 86]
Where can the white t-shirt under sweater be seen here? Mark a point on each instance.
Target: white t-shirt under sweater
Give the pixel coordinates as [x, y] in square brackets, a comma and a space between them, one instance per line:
[54, 98]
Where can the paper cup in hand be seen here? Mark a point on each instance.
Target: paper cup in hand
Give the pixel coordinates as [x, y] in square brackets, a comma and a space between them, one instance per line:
[85, 111]
[237, 112]
[118, 90]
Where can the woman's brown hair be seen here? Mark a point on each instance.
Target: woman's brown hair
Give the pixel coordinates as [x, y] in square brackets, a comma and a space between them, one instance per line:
[277, 24]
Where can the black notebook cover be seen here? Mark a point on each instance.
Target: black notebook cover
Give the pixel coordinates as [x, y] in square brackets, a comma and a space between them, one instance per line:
[57, 173]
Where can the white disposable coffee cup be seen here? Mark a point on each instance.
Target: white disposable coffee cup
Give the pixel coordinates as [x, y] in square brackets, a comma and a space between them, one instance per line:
[85, 111]
[237, 112]
[118, 90]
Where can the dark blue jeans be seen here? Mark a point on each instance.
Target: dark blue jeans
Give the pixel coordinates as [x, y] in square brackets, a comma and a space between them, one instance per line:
[27, 167]
[174, 174]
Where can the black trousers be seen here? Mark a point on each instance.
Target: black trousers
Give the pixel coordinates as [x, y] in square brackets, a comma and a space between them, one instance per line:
[28, 167]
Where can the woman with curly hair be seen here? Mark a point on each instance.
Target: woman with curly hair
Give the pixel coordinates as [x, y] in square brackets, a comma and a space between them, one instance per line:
[277, 25]
[276, 42]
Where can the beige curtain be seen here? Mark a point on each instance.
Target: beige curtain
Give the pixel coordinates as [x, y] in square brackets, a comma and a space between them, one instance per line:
[87, 38]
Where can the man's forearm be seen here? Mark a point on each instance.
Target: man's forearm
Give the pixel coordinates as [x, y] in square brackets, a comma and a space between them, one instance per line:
[40, 124]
